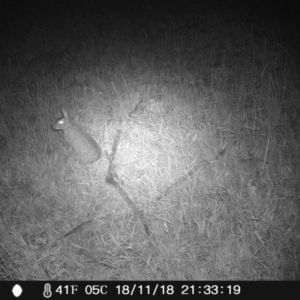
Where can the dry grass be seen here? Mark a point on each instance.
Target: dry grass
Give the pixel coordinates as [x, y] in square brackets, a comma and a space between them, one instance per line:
[210, 94]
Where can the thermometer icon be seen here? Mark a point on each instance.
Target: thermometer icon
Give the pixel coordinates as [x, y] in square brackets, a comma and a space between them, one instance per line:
[47, 291]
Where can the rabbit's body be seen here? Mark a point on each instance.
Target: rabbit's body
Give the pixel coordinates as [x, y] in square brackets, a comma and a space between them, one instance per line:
[86, 147]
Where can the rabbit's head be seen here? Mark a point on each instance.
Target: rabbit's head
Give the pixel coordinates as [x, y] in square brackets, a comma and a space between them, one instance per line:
[64, 122]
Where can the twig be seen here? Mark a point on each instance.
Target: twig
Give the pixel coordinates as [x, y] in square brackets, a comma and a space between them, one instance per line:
[129, 202]
[182, 179]
[78, 228]
[113, 179]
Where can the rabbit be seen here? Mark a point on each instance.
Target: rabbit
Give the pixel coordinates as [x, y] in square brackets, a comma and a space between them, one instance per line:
[87, 149]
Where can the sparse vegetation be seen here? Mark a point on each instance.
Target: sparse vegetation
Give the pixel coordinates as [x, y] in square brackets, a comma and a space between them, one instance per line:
[215, 89]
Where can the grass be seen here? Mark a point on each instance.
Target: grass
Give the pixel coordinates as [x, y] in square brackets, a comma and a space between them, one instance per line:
[216, 94]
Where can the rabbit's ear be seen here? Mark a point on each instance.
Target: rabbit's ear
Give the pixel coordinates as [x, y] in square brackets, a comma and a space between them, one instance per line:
[65, 113]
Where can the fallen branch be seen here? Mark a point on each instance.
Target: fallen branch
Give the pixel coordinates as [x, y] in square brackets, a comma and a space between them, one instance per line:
[113, 179]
